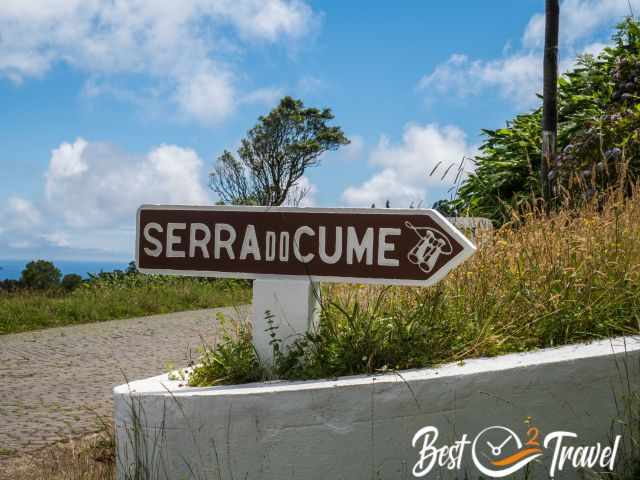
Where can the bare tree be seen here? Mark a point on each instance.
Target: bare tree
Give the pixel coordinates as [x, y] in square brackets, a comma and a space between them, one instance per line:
[275, 154]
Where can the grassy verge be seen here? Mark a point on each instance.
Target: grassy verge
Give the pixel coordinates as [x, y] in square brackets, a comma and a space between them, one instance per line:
[537, 282]
[90, 458]
[114, 297]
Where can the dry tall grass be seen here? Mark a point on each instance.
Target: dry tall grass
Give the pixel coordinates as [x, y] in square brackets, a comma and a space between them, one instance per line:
[537, 282]
[540, 281]
[91, 458]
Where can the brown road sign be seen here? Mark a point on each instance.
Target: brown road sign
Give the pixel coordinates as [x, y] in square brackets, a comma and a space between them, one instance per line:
[388, 246]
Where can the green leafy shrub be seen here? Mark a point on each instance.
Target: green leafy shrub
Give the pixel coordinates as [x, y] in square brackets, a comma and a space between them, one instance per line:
[40, 275]
[598, 138]
[71, 281]
[10, 286]
[232, 360]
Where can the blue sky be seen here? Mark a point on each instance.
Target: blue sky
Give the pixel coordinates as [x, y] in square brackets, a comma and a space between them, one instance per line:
[108, 104]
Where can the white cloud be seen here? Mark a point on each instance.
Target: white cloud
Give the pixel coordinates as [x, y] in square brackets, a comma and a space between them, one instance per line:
[20, 213]
[20, 244]
[267, 19]
[594, 48]
[207, 96]
[57, 239]
[181, 45]
[92, 191]
[518, 77]
[579, 19]
[268, 96]
[94, 184]
[303, 194]
[383, 186]
[534, 33]
[21, 221]
[405, 177]
[354, 150]
[309, 84]
[66, 161]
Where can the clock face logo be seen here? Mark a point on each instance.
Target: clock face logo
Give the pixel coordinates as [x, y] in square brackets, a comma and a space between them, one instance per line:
[498, 452]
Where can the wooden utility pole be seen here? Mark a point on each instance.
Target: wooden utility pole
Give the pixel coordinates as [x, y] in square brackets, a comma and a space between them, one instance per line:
[550, 92]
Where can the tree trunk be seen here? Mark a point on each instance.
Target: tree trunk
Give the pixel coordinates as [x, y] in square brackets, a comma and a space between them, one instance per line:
[550, 96]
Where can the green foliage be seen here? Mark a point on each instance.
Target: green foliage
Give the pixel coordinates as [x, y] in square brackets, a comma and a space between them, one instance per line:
[505, 176]
[275, 154]
[40, 275]
[552, 280]
[71, 281]
[445, 207]
[114, 295]
[233, 360]
[10, 285]
[598, 137]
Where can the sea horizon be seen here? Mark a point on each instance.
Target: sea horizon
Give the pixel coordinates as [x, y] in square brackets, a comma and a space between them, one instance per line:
[11, 269]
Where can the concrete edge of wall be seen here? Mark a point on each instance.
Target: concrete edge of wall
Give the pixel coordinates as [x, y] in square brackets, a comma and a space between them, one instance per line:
[360, 428]
[161, 385]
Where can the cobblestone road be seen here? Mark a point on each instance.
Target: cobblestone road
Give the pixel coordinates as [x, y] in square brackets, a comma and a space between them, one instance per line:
[56, 383]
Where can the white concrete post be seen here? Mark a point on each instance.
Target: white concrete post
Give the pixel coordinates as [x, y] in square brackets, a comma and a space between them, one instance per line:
[293, 305]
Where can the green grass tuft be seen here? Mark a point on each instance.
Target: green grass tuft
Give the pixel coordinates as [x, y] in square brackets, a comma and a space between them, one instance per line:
[115, 297]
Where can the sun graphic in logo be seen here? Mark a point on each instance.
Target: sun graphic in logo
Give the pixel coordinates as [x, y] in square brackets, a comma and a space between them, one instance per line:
[498, 452]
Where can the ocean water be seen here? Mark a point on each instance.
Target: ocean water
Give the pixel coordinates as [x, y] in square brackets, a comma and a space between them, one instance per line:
[11, 269]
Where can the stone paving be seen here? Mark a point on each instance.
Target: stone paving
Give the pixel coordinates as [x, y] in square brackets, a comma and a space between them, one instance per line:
[56, 384]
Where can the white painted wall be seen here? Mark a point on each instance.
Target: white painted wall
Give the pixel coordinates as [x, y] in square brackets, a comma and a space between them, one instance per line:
[360, 428]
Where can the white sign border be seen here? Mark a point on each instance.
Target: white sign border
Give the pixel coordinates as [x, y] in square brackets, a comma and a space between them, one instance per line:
[468, 248]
